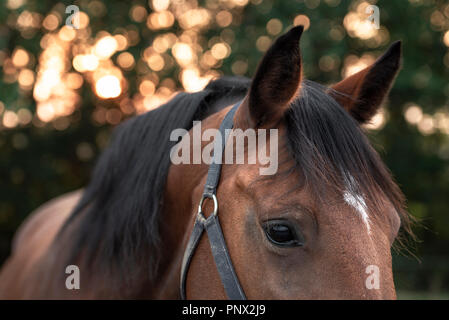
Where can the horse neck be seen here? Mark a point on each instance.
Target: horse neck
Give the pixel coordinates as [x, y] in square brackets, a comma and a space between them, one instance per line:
[178, 213]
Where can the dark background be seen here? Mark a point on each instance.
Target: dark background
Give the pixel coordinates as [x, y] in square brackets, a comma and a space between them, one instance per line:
[50, 137]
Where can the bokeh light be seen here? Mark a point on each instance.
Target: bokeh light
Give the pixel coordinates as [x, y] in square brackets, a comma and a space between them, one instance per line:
[108, 87]
[357, 24]
[302, 20]
[73, 59]
[20, 58]
[105, 47]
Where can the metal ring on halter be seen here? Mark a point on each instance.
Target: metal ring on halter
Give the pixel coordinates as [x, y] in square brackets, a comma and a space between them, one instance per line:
[204, 197]
[212, 226]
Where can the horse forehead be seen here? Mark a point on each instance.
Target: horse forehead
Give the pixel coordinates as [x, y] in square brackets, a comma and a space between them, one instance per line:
[347, 211]
[247, 177]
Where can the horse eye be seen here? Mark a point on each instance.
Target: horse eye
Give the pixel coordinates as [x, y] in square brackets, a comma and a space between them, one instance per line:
[282, 234]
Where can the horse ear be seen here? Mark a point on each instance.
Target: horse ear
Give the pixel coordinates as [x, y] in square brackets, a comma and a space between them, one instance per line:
[277, 80]
[362, 93]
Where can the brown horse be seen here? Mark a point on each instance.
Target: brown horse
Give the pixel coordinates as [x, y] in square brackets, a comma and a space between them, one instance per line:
[321, 227]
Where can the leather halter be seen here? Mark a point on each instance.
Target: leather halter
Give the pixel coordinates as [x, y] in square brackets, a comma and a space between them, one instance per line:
[212, 226]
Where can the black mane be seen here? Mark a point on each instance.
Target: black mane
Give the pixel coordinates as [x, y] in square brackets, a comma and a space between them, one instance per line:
[121, 205]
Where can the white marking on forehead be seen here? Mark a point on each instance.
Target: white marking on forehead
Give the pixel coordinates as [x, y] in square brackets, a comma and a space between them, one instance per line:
[356, 201]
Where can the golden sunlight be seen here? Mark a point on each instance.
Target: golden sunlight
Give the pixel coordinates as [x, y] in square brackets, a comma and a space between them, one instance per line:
[108, 87]
[105, 47]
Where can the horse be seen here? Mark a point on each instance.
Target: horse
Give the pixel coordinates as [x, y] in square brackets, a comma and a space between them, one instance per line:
[321, 227]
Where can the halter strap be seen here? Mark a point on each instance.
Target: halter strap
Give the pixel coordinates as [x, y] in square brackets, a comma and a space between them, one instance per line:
[212, 226]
